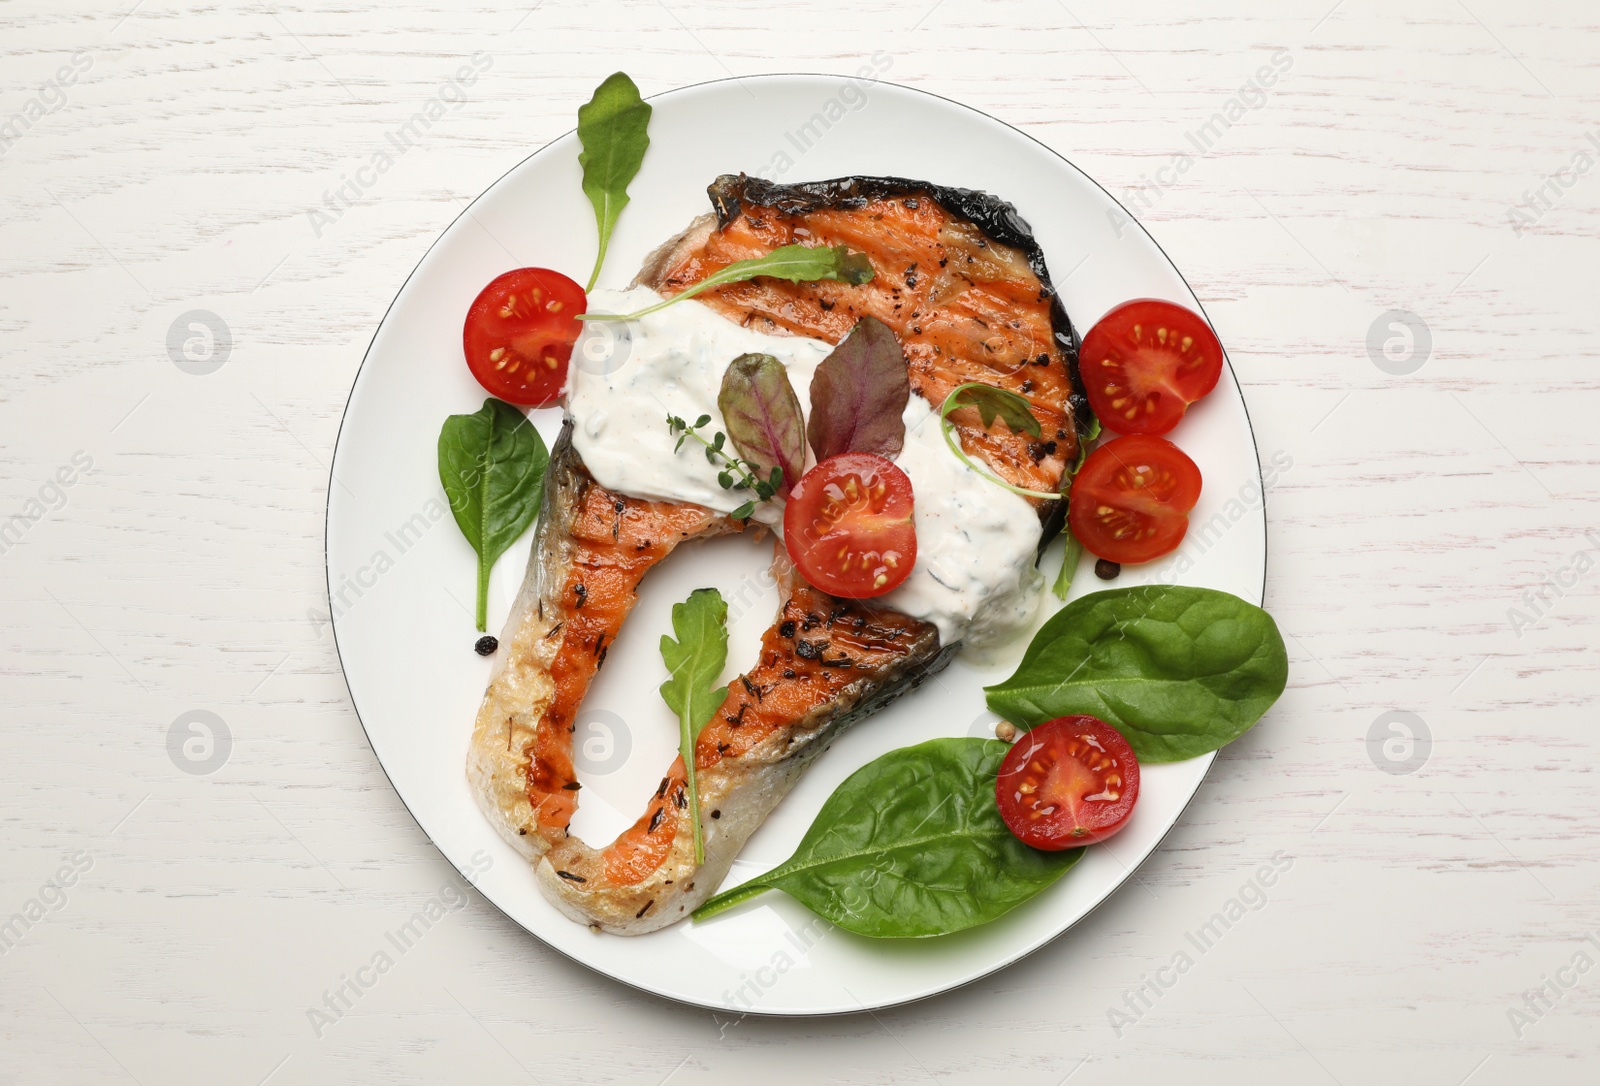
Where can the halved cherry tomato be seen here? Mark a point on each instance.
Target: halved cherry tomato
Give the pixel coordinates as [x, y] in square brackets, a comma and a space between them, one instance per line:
[519, 334]
[1130, 501]
[848, 526]
[1145, 362]
[1069, 782]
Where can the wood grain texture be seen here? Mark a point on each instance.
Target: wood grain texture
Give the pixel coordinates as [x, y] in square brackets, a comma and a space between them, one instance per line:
[183, 570]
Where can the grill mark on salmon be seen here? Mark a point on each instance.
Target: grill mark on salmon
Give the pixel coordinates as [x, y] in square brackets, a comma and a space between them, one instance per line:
[964, 286]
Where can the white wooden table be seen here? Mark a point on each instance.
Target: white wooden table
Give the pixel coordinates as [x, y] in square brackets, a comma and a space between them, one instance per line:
[1429, 157]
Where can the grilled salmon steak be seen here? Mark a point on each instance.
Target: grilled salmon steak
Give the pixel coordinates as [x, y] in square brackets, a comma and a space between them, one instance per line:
[962, 283]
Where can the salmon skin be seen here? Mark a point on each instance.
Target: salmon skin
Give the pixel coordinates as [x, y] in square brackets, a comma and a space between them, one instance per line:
[961, 281]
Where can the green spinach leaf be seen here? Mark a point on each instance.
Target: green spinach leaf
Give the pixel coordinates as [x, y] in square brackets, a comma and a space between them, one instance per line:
[796, 263]
[1179, 671]
[613, 128]
[695, 660]
[492, 465]
[911, 845]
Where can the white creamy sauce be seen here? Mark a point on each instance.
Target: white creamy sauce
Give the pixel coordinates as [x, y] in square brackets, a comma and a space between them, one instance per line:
[974, 577]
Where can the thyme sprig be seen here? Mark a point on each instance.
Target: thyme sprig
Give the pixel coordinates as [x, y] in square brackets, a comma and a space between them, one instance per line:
[735, 473]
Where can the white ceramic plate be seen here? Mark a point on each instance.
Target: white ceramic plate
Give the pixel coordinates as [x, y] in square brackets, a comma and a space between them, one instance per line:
[401, 576]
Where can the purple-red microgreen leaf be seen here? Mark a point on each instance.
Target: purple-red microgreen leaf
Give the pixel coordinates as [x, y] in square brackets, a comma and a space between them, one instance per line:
[859, 394]
[763, 416]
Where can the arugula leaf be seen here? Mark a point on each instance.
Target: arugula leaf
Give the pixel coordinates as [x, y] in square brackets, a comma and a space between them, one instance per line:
[859, 394]
[613, 128]
[695, 660]
[492, 465]
[763, 416]
[796, 263]
[1071, 551]
[1179, 671]
[991, 403]
[1086, 443]
[911, 845]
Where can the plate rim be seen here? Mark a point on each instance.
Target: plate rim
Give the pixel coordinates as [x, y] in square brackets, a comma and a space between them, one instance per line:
[333, 461]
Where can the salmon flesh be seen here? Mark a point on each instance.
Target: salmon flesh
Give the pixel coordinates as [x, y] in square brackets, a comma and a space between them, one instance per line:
[961, 281]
